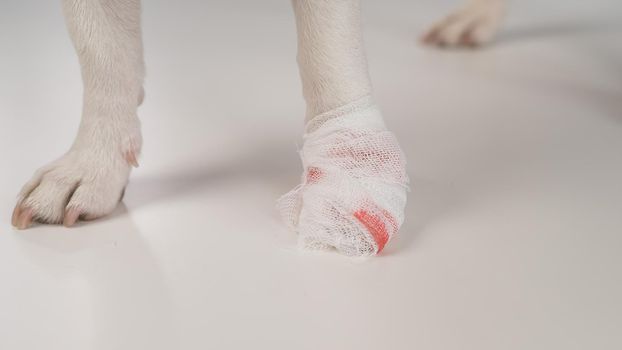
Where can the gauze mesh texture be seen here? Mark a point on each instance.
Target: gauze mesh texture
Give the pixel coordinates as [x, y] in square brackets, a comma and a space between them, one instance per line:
[354, 184]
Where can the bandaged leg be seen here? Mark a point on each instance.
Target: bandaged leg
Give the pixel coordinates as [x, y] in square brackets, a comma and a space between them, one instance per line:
[353, 189]
[354, 183]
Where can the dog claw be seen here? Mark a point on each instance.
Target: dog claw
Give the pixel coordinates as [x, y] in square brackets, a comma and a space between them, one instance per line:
[16, 212]
[71, 216]
[430, 37]
[130, 157]
[24, 219]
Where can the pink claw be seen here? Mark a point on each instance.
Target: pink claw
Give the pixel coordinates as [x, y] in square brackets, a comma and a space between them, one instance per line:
[16, 212]
[25, 219]
[71, 216]
[130, 157]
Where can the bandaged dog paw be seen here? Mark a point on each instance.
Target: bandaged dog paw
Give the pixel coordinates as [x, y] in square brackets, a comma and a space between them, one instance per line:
[354, 185]
[86, 183]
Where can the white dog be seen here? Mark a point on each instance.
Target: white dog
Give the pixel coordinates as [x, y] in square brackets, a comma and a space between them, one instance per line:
[353, 191]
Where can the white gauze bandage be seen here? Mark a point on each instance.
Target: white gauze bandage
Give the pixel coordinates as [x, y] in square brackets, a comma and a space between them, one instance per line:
[354, 184]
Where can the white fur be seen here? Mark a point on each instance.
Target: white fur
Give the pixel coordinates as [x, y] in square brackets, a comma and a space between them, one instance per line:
[331, 57]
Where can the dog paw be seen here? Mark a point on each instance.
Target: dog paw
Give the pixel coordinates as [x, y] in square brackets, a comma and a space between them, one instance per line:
[83, 184]
[472, 26]
[353, 191]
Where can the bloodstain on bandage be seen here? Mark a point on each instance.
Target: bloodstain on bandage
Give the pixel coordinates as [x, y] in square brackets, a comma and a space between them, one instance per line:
[314, 175]
[354, 183]
[394, 226]
[369, 158]
[376, 226]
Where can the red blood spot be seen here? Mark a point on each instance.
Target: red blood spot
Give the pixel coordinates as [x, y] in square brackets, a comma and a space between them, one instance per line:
[394, 226]
[375, 226]
[314, 175]
[375, 220]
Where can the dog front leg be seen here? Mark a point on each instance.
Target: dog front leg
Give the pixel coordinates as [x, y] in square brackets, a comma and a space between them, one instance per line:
[88, 181]
[354, 183]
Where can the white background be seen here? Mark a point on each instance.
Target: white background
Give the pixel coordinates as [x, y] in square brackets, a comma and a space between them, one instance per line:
[513, 236]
